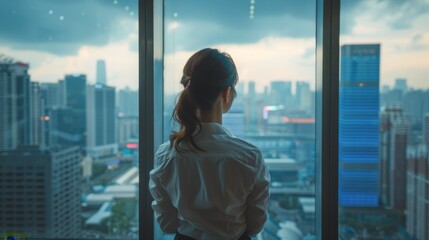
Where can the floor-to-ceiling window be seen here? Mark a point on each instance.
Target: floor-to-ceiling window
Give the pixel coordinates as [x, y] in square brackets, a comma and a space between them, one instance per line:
[69, 119]
[383, 120]
[273, 46]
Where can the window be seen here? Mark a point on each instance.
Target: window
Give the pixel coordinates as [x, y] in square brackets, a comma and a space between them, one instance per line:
[383, 144]
[69, 85]
[273, 46]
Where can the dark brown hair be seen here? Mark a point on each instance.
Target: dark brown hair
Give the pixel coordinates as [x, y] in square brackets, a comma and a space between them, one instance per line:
[206, 74]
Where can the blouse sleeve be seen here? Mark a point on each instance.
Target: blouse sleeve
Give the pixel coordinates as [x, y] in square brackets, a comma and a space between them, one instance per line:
[165, 212]
[257, 201]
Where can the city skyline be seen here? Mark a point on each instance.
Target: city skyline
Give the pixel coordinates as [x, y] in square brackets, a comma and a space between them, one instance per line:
[403, 56]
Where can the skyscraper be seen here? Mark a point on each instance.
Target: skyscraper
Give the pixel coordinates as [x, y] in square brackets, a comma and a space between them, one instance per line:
[101, 72]
[41, 192]
[303, 96]
[128, 103]
[359, 126]
[75, 86]
[15, 124]
[281, 93]
[101, 124]
[418, 192]
[54, 94]
[394, 132]
[36, 116]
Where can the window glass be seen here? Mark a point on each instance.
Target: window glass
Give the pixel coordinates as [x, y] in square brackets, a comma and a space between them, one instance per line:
[384, 120]
[273, 46]
[69, 119]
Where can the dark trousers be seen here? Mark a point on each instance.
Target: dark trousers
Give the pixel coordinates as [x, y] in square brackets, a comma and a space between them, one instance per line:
[179, 236]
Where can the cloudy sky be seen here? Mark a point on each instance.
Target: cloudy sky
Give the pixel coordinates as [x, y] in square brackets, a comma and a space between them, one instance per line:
[275, 42]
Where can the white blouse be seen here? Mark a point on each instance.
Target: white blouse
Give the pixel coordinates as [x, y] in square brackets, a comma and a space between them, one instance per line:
[216, 194]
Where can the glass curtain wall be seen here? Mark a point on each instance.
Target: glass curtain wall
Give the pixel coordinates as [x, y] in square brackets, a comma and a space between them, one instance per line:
[69, 119]
[273, 46]
[384, 120]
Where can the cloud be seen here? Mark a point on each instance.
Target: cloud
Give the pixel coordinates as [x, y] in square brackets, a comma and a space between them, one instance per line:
[62, 27]
[271, 58]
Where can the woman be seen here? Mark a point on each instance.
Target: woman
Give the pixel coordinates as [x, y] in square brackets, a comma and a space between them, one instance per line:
[206, 183]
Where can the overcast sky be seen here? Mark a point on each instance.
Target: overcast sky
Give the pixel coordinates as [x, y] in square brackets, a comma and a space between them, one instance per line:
[58, 37]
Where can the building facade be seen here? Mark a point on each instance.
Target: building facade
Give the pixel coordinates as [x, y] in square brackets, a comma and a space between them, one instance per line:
[359, 126]
[41, 192]
[101, 122]
[418, 192]
[75, 86]
[394, 138]
[15, 97]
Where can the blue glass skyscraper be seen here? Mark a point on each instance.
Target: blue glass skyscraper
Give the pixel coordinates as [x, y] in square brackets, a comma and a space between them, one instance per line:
[359, 126]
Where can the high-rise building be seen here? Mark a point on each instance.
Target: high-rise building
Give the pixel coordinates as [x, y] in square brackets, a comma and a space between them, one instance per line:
[303, 96]
[416, 104]
[101, 72]
[281, 93]
[54, 94]
[61, 130]
[394, 135]
[418, 192]
[101, 124]
[75, 86]
[128, 103]
[15, 88]
[251, 110]
[40, 192]
[36, 116]
[359, 126]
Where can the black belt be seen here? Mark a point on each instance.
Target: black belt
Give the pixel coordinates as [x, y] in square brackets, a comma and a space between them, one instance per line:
[179, 236]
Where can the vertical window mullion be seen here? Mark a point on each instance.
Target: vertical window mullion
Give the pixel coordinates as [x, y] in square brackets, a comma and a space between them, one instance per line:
[146, 114]
[327, 82]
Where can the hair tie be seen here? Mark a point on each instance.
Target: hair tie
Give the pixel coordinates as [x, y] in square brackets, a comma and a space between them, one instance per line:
[187, 81]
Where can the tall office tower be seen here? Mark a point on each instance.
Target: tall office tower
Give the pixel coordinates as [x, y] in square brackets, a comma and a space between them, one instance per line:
[62, 93]
[128, 103]
[281, 93]
[14, 104]
[418, 192]
[101, 124]
[426, 129]
[416, 103]
[36, 116]
[394, 133]
[54, 94]
[401, 84]
[303, 96]
[41, 192]
[359, 126]
[101, 72]
[75, 86]
[60, 127]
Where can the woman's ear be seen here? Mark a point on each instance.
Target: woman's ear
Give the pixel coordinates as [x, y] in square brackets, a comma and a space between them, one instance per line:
[228, 95]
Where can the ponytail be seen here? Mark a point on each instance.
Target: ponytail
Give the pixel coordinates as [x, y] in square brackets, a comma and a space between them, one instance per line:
[206, 74]
[185, 113]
